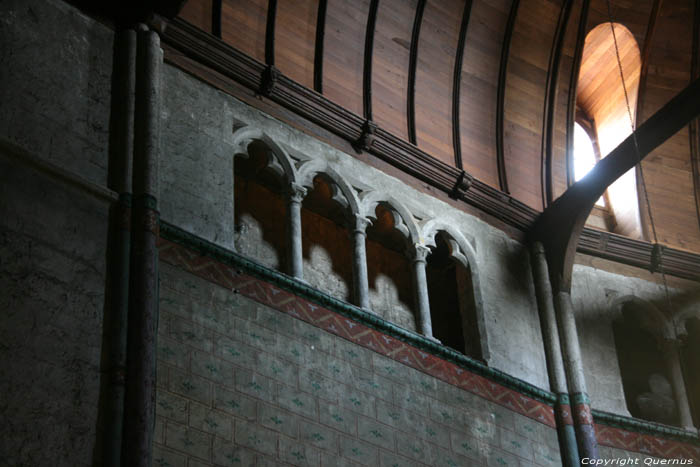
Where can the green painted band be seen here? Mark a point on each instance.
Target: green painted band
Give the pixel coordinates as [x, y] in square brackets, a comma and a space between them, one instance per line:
[643, 426]
[580, 398]
[302, 289]
[563, 399]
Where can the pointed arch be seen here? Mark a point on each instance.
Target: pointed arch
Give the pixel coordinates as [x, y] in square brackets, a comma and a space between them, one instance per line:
[649, 317]
[311, 169]
[406, 222]
[245, 135]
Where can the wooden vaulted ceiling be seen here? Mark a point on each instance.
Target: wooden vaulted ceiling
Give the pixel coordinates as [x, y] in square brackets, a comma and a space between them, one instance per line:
[487, 86]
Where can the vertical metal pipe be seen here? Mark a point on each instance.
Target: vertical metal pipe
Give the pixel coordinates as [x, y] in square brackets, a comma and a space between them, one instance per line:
[583, 419]
[296, 262]
[555, 364]
[359, 261]
[419, 255]
[139, 411]
[121, 151]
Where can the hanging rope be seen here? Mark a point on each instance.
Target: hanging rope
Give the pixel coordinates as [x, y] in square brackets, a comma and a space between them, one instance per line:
[657, 248]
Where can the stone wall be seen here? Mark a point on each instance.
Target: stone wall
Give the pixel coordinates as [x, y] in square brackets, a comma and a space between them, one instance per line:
[197, 195]
[240, 382]
[55, 67]
[595, 293]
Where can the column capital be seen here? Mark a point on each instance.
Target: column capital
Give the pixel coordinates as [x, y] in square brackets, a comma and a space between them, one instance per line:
[296, 193]
[418, 252]
[538, 249]
[360, 223]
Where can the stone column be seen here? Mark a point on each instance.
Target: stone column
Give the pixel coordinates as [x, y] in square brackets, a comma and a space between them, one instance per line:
[670, 349]
[121, 146]
[359, 261]
[555, 364]
[583, 419]
[295, 263]
[418, 255]
[139, 413]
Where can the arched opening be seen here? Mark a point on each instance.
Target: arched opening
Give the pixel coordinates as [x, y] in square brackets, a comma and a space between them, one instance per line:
[646, 384]
[259, 207]
[443, 292]
[601, 102]
[389, 270]
[327, 248]
[452, 300]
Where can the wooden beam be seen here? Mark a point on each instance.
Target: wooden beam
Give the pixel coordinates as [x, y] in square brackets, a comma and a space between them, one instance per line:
[367, 72]
[412, 64]
[318, 53]
[550, 102]
[694, 128]
[560, 225]
[457, 83]
[501, 96]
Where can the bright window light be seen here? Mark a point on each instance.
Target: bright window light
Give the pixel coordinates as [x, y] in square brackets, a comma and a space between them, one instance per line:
[584, 156]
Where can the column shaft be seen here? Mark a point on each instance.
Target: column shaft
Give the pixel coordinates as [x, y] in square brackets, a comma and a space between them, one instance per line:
[680, 395]
[583, 419]
[420, 282]
[121, 144]
[295, 259]
[139, 413]
[555, 364]
[359, 263]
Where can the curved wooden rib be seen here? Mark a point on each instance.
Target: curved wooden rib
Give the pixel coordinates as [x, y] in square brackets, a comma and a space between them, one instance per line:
[501, 96]
[457, 82]
[412, 64]
[369, 47]
[550, 103]
[270, 33]
[216, 18]
[318, 54]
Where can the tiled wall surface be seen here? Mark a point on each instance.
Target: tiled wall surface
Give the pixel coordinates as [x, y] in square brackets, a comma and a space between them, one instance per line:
[240, 383]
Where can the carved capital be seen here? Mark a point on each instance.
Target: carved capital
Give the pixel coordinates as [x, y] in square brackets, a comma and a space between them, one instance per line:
[366, 139]
[657, 253]
[296, 193]
[538, 249]
[360, 224]
[418, 252]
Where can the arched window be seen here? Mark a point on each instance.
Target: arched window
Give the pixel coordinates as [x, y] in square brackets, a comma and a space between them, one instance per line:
[600, 101]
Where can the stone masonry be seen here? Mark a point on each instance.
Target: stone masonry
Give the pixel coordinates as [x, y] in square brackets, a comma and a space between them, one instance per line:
[242, 384]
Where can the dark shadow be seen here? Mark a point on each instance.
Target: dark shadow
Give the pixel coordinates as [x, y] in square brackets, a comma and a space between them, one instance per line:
[690, 362]
[259, 194]
[386, 256]
[644, 380]
[444, 297]
[323, 222]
